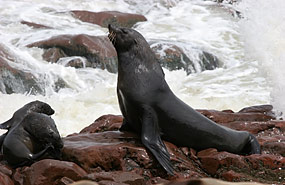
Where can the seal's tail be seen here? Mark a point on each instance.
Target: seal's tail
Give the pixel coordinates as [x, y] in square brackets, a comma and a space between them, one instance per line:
[252, 146]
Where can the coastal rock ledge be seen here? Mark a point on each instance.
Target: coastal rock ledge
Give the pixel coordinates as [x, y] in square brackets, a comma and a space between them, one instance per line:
[102, 154]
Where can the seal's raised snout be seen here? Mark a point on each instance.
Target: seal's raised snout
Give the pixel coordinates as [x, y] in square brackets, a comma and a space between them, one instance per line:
[112, 33]
[110, 27]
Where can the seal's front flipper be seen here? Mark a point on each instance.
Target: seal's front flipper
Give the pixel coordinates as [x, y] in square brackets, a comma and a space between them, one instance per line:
[125, 126]
[150, 137]
[7, 124]
[2, 137]
[30, 158]
[36, 156]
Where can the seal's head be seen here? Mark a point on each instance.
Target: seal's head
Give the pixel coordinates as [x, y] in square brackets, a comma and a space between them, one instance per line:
[40, 107]
[124, 39]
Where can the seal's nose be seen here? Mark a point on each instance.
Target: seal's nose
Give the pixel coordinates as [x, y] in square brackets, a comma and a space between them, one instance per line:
[113, 28]
[110, 27]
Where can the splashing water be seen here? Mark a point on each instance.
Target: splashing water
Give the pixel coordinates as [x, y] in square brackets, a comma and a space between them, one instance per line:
[263, 30]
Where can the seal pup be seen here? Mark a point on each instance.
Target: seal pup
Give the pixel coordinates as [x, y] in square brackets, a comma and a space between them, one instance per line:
[31, 139]
[151, 109]
[19, 115]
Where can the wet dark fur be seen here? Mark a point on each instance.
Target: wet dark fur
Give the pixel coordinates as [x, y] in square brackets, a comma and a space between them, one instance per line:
[32, 134]
[151, 109]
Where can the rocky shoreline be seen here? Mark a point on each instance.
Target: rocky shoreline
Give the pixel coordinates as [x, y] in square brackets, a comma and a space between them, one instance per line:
[103, 154]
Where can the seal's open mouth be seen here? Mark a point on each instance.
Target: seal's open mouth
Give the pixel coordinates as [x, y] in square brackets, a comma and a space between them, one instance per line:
[112, 34]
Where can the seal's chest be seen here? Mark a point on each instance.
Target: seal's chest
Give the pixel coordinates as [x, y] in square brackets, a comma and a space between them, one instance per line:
[141, 68]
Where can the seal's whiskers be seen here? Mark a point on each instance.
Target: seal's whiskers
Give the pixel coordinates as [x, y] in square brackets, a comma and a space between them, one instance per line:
[112, 37]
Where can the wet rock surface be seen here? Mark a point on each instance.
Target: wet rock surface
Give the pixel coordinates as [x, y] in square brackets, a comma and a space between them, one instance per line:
[35, 25]
[98, 50]
[47, 171]
[13, 80]
[173, 57]
[103, 154]
[108, 17]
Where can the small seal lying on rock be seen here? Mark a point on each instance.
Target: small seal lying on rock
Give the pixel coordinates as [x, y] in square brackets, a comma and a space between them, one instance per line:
[32, 135]
[19, 115]
[151, 109]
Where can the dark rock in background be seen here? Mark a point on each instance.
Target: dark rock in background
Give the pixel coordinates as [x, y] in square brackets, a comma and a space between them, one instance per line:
[173, 57]
[13, 80]
[108, 17]
[98, 50]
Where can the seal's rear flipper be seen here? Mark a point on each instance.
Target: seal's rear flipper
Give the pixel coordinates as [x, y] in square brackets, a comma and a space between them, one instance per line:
[150, 137]
[252, 146]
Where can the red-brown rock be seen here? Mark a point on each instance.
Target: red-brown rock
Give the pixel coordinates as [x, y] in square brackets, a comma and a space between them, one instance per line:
[113, 157]
[5, 170]
[263, 168]
[53, 54]
[173, 57]
[48, 171]
[98, 50]
[13, 80]
[106, 151]
[265, 109]
[35, 25]
[114, 150]
[118, 177]
[227, 117]
[212, 161]
[108, 17]
[104, 123]
[5, 180]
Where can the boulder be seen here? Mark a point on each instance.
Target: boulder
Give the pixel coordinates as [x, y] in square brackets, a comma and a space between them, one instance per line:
[53, 54]
[106, 151]
[265, 168]
[228, 117]
[173, 57]
[119, 177]
[5, 180]
[35, 25]
[123, 151]
[98, 50]
[13, 80]
[108, 17]
[104, 123]
[265, 109]
[48, 171]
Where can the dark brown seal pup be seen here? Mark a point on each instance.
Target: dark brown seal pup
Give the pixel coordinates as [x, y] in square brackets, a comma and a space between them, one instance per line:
[19, 115]
[31, 134]
[36, 136]
[151, 109]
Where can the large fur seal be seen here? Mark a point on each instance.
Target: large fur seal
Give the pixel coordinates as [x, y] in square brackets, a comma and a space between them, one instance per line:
[150, 108]
[32, 134]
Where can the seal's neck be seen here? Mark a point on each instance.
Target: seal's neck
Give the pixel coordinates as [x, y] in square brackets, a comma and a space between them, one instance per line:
[138, 63]
[135, 57]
